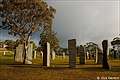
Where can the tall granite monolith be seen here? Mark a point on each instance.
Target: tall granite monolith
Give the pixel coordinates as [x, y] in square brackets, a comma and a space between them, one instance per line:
[46, 54]
[72, 53]
[105, 49]
[82, 54]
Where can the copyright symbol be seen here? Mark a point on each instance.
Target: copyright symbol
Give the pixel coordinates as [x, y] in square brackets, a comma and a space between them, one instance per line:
[98, 78]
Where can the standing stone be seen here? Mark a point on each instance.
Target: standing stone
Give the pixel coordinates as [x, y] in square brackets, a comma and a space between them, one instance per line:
[72, 52]
[82, 55]
[46, 54]
[4, 53]
[105, 49]
[53, 54]
[35, 55]
[87, 55]
[98, 56]
[85, 52]
[29, 54]
[41, 53]
[63, 55]
[19, 53]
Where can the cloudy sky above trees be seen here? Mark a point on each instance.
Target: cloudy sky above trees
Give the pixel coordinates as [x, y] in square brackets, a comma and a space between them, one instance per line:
[85, 20]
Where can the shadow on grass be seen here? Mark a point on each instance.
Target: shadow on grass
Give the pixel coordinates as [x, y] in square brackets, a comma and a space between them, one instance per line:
[8, 55]
[99, 69]
[66, 66]
[116, 69]
[6, 61]
[25, 65]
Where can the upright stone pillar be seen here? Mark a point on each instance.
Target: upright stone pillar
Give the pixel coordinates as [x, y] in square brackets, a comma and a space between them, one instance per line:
[29, 54]
[72, 53]
[53, 54]
[19, 53]
[87, 55]
[96, 56]
[46, 54]
[82, 55]
[4, 53]
[35, 55]
[85, 52]
[63, 55]
[105, 49]
[99, 56]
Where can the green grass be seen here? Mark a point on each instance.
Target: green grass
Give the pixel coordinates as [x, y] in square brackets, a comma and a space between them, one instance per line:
[36, 72]
[59, 69]
[59, 60]
[8, 58]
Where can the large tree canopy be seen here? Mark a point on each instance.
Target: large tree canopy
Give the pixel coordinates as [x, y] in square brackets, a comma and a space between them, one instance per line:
[23, 17]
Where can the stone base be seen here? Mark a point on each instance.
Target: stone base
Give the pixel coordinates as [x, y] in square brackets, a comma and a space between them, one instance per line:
[19, 60]
[28, 62]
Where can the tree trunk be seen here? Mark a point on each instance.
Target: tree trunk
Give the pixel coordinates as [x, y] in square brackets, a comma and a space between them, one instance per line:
[26, 40]
[24, 53]
[14, 54]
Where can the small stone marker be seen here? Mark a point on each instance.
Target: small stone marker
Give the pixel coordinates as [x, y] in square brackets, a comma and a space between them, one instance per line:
[46, 54]
[19, 53]
[72, 53]
[41, 53]
[105, 49]
[88, 57]
[4, 53]
[63, 55]
[82, 55]
[99, 57]
[35, 55]
[53, 54]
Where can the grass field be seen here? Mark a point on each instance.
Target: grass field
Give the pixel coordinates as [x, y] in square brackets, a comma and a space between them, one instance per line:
[59, 70]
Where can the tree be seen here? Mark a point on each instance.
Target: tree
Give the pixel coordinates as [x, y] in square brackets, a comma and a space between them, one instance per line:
[10, 44]
[34, 45]
[24, 17]
[116, 47]
[91, 48]
[116, 41]
[54, 42]
[1, 44]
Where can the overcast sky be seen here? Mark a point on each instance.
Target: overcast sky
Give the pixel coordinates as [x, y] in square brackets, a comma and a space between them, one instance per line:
[85, 20]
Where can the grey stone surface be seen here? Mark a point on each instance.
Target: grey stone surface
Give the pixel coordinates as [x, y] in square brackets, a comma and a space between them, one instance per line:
[99, 56]
[63, 55]
[82, 54]
[72, 53]
[46, 54]
[53, 54]
[105, 50]
[19, 53]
